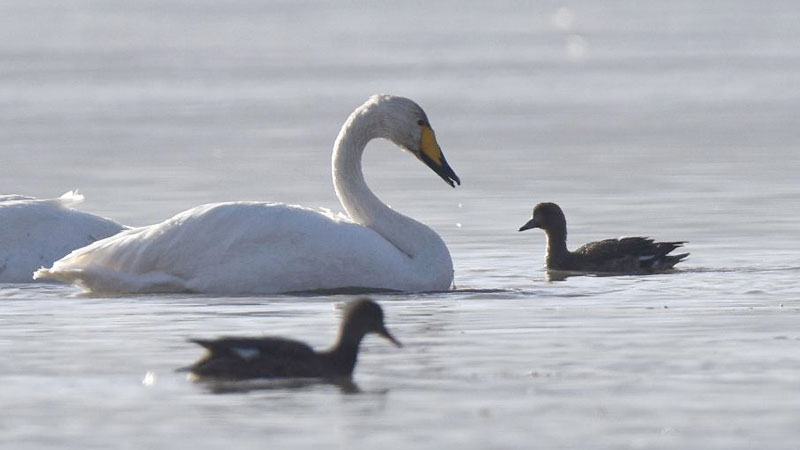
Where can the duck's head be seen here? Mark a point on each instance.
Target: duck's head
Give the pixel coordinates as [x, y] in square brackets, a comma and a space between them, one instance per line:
[364, 316]
[547, 216]
[403, 122]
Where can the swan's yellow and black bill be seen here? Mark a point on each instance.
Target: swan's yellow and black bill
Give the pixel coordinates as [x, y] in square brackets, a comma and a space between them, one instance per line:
[432, 156]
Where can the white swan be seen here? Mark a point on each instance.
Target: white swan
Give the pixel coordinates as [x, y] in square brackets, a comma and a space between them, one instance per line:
[36, 232]
[261, 248]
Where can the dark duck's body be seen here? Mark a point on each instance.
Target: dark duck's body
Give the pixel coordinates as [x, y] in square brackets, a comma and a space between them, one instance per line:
[273, 357]
[627, 255]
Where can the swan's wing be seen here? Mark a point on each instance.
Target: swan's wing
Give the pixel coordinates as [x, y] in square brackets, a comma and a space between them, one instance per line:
[14, 198]
[233, 248]
[36, 233]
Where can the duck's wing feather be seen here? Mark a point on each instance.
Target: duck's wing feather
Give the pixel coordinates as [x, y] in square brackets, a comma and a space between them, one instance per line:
[268, 357]
[266, 347]
[631, 253]
[618, 248]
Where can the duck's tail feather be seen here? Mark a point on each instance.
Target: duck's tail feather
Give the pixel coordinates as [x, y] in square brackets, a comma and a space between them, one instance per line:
[671, 260]
[205, 343]
[666, 262]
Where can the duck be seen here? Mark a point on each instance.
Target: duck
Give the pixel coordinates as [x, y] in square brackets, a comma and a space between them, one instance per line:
[40, 231]
[626, 255]
[242, 358]
[257, 248]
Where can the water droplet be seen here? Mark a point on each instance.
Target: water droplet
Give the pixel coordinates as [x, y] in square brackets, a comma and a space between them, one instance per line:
[563, 18]
[575, 47]
[149, 379]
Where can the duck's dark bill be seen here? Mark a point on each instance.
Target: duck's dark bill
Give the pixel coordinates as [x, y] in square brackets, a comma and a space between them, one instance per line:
[529, 224]
[385, 334]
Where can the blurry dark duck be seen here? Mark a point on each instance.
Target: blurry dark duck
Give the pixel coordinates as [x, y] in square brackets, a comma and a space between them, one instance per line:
[627, 255]
[232, 358]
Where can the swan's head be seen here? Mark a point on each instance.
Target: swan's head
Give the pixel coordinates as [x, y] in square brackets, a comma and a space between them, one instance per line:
[406, 124]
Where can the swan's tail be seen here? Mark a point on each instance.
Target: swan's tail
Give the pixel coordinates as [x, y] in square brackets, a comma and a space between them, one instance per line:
[64, 276]
[70, 198]
[44, 273]
[100, 280]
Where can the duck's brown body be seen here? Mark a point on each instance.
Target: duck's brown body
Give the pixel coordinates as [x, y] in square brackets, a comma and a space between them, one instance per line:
[628, 255]
[274, 357]
[245, 358]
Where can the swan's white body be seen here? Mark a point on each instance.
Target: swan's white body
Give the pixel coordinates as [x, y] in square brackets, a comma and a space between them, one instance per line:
[37, 232]
[263, 248]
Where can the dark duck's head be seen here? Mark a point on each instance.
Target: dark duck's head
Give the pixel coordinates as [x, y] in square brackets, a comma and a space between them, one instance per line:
[548, 217]
[364, 316]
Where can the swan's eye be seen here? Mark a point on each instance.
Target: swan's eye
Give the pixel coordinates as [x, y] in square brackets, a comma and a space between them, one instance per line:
[421, 122]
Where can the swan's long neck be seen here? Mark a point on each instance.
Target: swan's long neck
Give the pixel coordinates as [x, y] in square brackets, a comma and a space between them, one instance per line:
[357, 199]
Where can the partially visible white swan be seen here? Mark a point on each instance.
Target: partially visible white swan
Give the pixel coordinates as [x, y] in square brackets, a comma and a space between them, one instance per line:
[37, 232]
[261, 248]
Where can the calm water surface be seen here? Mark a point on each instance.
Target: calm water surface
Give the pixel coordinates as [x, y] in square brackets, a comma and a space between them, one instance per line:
[676, 120]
